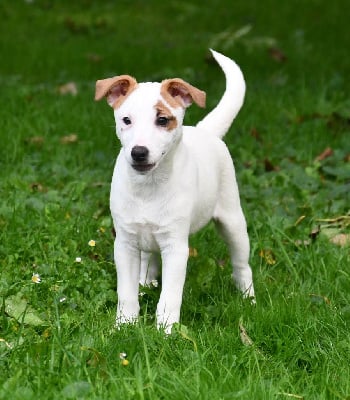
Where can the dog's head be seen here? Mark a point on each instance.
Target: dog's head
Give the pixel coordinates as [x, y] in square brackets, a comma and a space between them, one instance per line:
[148, 116]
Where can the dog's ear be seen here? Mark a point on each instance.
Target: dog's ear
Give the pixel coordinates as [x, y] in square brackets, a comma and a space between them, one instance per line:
[115, 89]
[180, 93]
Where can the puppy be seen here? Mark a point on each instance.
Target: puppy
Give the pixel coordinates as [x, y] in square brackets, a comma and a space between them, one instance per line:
[168, 182]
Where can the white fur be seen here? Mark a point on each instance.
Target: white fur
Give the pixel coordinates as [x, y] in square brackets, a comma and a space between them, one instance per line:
[192, 181]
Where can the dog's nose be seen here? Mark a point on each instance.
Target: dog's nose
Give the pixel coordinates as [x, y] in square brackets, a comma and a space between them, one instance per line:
[139, 153]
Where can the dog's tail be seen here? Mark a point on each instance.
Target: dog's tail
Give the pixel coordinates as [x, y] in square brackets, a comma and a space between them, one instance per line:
[220, 118]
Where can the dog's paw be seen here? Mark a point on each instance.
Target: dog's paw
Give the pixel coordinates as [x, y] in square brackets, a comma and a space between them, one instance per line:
[122, 319]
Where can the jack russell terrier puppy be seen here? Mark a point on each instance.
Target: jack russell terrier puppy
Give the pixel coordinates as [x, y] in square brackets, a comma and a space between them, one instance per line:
[169, 181]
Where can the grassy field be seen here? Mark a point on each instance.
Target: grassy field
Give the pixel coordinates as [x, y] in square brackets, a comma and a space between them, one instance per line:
[291, 149]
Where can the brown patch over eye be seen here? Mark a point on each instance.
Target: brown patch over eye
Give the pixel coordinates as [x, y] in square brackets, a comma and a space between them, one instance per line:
[164, 117]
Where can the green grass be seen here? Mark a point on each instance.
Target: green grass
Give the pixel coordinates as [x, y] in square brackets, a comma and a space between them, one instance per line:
[57, 339]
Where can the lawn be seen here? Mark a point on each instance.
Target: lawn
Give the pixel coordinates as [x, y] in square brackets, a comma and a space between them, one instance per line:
[291, 146]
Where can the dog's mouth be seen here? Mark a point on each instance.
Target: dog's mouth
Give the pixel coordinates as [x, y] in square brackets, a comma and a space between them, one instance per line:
[143, 167]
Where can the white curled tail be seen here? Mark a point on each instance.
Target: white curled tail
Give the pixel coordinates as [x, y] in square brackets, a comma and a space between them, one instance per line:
[219, 120]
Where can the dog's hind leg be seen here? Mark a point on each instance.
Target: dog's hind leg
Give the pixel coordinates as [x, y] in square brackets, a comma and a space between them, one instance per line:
[149, 268]
[231, 224]
[233, 229]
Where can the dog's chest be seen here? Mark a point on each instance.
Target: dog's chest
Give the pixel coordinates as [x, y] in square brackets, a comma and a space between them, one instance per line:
[145, 223]
[146, 238]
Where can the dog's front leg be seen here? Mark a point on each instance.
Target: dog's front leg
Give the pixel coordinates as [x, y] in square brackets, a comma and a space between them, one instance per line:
[174, 264]
[127, 261]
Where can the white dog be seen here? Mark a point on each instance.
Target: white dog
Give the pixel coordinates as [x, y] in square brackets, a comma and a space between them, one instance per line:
[169, 181]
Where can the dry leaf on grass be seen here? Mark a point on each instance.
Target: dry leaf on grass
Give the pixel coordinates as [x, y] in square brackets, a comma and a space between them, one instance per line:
[37, 187]
[68, 88]
[38, 140]
[94, 58]
[277, 55]
[269, 166]
[72, 138]
[246, 340]
[327, 152]
[193, 252]
[333, 229]
[341, 239]
[268, 256]
[255, 134]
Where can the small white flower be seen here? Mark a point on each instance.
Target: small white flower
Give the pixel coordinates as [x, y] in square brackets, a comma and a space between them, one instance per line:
[122, 356]
[78, 259]
[92, 243]
[36, 278]
[63, 299]
[154, 282]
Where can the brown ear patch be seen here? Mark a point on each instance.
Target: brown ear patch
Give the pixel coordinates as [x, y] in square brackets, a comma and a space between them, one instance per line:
[179, 93]
[116, 89]
[164, 111]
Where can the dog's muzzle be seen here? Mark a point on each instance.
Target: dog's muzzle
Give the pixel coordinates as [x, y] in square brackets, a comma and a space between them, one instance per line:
[139, 155]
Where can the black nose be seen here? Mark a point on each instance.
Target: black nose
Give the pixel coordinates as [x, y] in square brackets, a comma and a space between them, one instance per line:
[139, 153]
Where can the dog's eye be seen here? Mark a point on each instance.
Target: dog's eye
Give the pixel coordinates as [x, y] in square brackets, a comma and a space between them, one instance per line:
[126, 120]
[162, 121]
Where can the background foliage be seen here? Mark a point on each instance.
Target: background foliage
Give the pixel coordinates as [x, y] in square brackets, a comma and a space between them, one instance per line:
[291, 149]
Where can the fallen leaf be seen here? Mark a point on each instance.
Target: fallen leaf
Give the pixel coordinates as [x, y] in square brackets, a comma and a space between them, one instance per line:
[193, 252]
[47, 333]
[327, 152]
[277, 54]
[255, 134]
[37, 187]
[18, 308]
[95, 58]
[341, 239]
[68, 88]
[268, 256]
[333, 229]
[246, 340]
[269, 166]
[76, 26]
[38, 140]
[72, 138]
